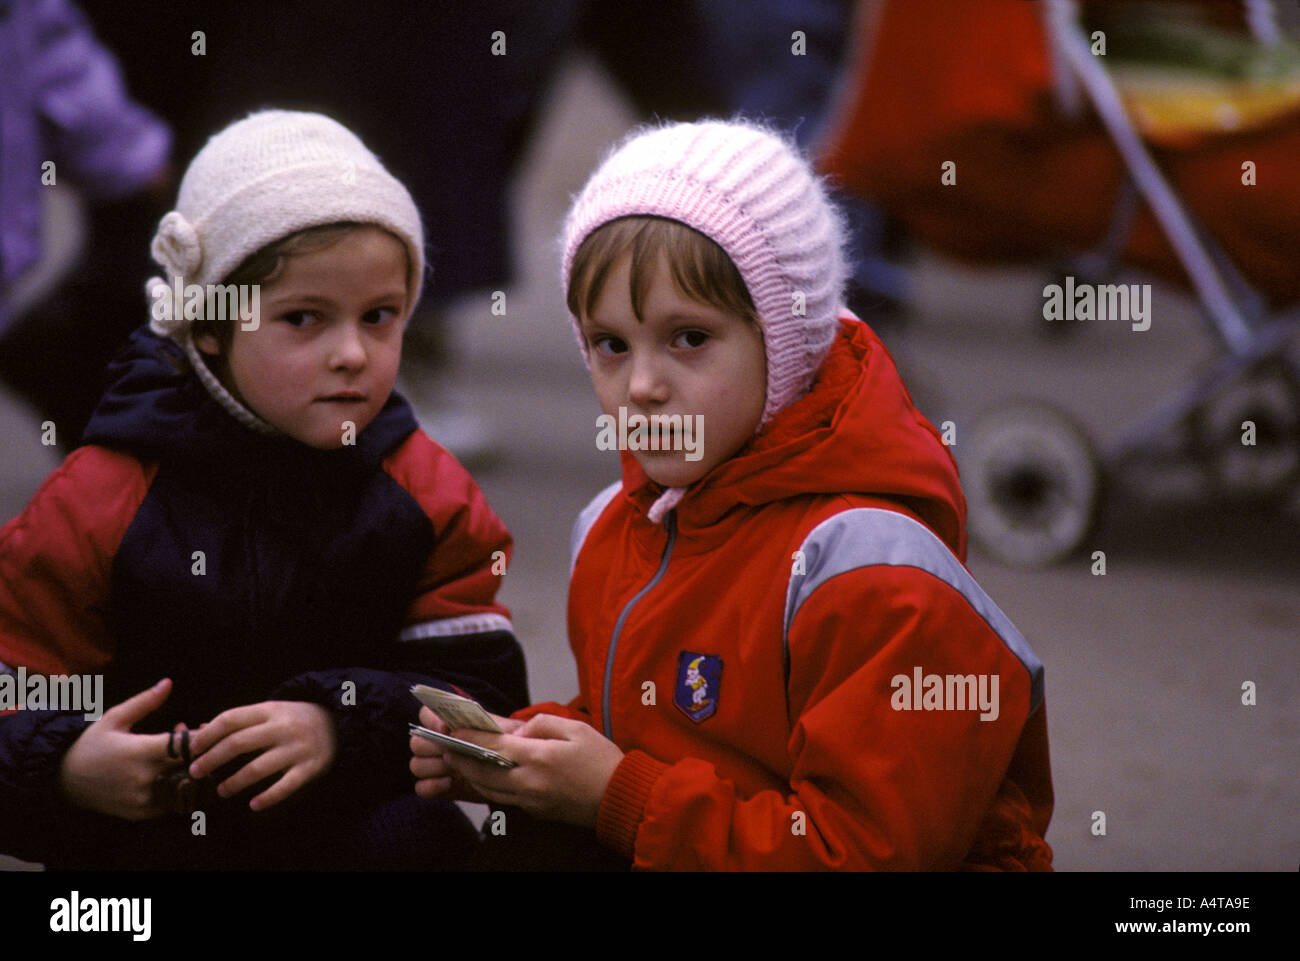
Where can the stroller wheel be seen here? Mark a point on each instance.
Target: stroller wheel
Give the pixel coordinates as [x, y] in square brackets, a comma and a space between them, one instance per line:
[1032, 483]
[1248, 436]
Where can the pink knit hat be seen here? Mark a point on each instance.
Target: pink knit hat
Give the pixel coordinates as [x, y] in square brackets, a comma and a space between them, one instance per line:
[752, 193]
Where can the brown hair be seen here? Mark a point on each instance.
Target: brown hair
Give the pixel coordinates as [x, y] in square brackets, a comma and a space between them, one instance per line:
[266, 264]
[700, 269]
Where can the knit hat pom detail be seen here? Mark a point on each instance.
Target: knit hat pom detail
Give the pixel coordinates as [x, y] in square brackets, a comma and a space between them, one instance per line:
[176, 245]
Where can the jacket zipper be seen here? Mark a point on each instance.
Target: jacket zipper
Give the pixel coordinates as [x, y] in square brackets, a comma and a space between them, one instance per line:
[606, 714]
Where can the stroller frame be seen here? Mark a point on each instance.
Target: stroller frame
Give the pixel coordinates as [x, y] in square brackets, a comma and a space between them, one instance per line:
[1253, 340]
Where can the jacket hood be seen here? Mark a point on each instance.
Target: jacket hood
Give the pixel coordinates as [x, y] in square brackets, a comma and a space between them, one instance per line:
[157, 409]
[855, 432]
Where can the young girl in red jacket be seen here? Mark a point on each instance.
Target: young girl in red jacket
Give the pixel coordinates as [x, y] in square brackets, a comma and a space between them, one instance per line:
[783, 663]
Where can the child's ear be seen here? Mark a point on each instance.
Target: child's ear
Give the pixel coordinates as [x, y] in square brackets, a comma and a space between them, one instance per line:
[208, 344]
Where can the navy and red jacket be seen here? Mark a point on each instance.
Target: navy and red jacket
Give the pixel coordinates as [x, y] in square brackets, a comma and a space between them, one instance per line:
[178, 543]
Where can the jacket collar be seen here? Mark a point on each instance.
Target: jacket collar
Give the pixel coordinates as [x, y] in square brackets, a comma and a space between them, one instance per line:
[156, 409]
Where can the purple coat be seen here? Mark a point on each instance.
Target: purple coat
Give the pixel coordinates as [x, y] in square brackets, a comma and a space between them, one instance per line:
[62, 99]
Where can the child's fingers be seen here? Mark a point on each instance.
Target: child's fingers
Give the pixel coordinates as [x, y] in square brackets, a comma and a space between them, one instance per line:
[423, 747]
[163, 750]
[434, 787]
[432, 721]
[424, 767]
[242, 741]
[225, 724]
[548, 726]
[475, 775]
[508, 724]
[174, 748]
[484, 794]
[484, 775]
[258, 769]
[293, 779]
[485, 739]
[135, 709]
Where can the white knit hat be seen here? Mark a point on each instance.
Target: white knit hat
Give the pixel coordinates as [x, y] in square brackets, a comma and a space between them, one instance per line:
[269, 175]
[751, 192]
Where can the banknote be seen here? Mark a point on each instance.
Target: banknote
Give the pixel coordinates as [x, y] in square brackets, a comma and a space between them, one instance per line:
[455, 711]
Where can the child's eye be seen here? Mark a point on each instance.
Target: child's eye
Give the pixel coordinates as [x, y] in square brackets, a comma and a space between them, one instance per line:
[609, 346]
[381, 315]
[690, 338]
[298, 318]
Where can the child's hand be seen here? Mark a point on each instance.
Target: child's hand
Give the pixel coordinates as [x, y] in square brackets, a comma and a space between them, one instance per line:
[563, 768]
[434, 779]
[295, 737]
[110, 770]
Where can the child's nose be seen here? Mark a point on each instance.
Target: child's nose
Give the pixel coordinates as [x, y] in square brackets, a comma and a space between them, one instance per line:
[647, 382]
[348, 348]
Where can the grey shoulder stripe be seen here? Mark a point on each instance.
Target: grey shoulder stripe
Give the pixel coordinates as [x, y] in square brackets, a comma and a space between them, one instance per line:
[588, 517]
[869, 536]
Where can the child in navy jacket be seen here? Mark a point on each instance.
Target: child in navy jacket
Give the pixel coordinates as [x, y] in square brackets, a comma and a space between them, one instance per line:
[258, 547]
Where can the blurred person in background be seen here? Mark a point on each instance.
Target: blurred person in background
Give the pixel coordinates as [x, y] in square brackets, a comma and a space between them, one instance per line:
[66, 120]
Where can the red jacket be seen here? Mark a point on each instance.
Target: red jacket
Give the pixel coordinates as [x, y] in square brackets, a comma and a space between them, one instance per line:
[803, 581]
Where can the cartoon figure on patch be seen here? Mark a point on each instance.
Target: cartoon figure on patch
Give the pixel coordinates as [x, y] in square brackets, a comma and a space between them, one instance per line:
[698, 684]
[699, 678]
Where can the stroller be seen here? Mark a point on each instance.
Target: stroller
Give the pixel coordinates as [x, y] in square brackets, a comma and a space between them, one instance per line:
[1081, 131]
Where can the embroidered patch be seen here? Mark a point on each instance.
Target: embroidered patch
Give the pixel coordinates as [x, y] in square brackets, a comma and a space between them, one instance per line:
[699, 680]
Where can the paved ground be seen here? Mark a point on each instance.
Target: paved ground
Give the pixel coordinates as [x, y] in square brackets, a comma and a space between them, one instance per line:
[1145, 665]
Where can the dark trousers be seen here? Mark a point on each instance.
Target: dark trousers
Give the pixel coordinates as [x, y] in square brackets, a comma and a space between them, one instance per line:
[406, 833]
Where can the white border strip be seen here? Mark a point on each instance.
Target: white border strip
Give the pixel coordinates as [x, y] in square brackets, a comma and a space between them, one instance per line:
[457, 626]
[589, 515]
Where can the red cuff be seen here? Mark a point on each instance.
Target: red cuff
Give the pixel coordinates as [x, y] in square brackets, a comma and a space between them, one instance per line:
[623, 806]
